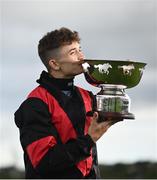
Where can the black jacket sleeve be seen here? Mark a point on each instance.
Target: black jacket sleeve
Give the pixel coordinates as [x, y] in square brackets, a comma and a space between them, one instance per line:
[34, 122]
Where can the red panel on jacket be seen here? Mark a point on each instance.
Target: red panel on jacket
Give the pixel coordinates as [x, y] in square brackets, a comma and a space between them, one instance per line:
[62, 122]
[39, 148]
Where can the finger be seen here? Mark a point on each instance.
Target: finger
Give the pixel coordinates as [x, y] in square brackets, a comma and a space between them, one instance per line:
[104, 125]
[116, 121]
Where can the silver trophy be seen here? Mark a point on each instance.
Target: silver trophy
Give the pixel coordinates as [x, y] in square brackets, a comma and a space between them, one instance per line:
[113, 77]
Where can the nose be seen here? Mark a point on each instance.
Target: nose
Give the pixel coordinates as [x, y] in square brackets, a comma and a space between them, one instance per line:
[81, 56]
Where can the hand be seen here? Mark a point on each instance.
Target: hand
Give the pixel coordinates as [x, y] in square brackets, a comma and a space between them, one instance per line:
[96, 130]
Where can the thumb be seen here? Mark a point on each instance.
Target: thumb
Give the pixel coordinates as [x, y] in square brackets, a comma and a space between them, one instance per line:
[95, 115]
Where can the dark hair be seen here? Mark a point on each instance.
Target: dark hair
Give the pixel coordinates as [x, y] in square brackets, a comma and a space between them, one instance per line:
[53, 40]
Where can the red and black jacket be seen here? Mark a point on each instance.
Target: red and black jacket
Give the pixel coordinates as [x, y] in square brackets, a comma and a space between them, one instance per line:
[53, 132]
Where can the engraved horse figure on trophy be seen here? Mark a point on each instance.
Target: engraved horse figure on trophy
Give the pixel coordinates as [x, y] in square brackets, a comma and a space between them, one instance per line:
[127, 69]
[103, 68]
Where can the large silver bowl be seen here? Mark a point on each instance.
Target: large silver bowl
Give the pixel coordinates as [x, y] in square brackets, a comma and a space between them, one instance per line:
[118, 72]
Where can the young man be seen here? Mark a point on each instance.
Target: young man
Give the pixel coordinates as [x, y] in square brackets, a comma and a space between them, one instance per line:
[57, 136]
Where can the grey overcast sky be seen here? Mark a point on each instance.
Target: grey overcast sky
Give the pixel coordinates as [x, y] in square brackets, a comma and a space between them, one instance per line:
[109, 29]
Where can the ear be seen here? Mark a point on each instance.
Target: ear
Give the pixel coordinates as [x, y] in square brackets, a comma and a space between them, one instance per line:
[54, 64]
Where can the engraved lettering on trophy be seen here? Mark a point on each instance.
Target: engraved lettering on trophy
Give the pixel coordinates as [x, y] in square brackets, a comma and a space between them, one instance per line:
[103, 68]
[127, 69]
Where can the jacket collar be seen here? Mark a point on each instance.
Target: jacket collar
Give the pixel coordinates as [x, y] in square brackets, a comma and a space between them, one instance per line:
[62, 84]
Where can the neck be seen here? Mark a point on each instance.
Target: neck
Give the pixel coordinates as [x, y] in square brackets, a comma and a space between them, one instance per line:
[58, 75]
[62, 82]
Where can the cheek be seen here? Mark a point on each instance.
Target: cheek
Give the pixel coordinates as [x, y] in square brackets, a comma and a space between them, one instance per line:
[73, 69]
[67, 67]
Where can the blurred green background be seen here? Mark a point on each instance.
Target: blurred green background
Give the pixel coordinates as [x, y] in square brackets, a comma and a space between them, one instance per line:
[139, 170]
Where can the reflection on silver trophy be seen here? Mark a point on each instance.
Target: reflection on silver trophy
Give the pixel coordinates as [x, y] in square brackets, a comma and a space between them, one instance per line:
[113, 77]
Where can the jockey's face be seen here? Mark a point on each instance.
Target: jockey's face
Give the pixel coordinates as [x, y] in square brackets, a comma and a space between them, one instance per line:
[70, 61]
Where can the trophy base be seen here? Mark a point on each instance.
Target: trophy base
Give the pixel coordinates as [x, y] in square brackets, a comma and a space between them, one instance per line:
[114, 116]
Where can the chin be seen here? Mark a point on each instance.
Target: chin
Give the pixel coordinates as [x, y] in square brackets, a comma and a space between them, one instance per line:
[79, 72]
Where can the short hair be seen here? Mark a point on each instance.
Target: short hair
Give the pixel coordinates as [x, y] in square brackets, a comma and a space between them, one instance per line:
[53, 40]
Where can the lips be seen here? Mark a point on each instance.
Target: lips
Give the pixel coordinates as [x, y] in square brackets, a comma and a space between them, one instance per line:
[81, 62]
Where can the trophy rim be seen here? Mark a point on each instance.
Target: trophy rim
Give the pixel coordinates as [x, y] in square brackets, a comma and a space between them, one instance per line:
[116, 60]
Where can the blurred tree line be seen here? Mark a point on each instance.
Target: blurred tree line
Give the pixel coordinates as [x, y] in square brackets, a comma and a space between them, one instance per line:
[139, 170]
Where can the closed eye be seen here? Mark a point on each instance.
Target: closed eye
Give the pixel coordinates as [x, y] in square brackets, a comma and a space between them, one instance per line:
[74, 50]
